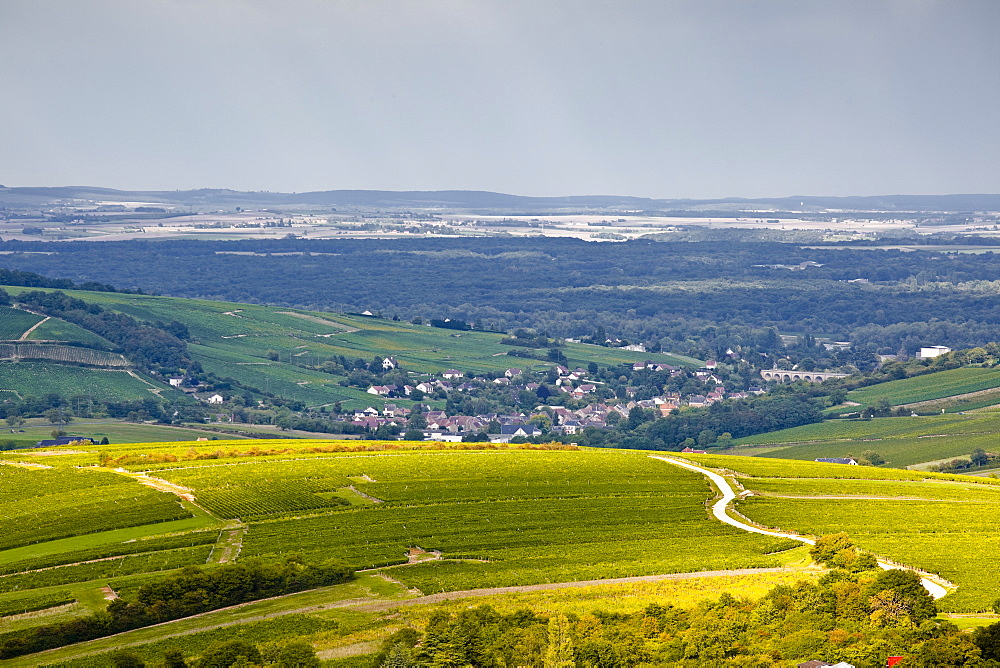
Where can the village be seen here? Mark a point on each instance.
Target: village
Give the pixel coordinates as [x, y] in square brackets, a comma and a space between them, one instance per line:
[583, 401]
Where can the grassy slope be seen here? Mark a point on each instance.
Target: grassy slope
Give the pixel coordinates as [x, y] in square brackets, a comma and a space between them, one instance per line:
[55, 329]
[233, 340]
[115, 431]
[928, 387]
[905, 441]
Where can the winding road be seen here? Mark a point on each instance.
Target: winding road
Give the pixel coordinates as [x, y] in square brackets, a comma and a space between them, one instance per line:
[719, 508]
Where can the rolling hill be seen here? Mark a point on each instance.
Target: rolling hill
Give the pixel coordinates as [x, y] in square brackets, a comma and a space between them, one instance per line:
[528, 528]
[269, 348]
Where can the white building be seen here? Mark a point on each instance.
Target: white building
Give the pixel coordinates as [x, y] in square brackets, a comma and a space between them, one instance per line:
[934, 351]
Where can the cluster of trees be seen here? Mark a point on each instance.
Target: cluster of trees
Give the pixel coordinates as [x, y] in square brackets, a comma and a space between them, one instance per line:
[191, 591]
[32, 280]
[716, 425]
[228, 653]
[150, 347]
[857, 614]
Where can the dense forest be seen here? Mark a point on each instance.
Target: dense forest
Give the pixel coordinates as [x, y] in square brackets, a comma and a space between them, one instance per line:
[699, 297]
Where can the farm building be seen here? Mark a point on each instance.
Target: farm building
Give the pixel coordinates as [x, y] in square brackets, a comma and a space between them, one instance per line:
[933, 351]
[837, 460]
[64, 440]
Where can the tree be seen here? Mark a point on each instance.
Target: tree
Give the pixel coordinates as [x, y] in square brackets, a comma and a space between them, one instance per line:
[225, 654]
[413, 434]
[979, 457]
[174, 658]
[14, 420]
[706, 437]
[58, 416]
[987, 638]
[725, 440]
[294, 654]
[901, 589]
[559, 652]
[123, 658]
[872, 457]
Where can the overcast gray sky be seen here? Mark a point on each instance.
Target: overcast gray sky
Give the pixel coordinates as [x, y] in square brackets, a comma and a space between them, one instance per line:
[652, 98]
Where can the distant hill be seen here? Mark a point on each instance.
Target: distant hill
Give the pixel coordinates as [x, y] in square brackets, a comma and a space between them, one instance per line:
[482, 201]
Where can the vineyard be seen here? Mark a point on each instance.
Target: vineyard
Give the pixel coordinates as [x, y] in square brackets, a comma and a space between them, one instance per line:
[43, 505]
[906, 441]
[944, 524]
[36, 378]
[60, 353]
[55, 329]
[15, 322]
[928, 387]
[478, 515]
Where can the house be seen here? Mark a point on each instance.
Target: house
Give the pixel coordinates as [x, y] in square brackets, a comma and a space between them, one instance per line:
[697, 400]
[520, 430]
[837, 460]
[510, 373]
[425, 387]
[390, 363]
[379, 390]
[452, 374]
[216, 399]
[933, 351]
[175, 381]
[64, 440]
[501, 381]
[638, 366]
[692, 451]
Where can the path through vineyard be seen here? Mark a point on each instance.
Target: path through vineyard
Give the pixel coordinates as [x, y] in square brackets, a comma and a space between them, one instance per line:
[935, 585]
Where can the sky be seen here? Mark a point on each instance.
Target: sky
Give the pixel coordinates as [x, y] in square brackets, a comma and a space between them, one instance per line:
[651, 98]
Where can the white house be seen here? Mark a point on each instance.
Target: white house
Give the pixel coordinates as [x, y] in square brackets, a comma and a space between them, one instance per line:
[216, 399]
[452, 374]
[390, 363]
[934, 351]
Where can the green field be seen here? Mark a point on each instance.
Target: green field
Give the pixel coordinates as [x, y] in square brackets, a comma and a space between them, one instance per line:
[928, 387]
[233, 340]
[904, 441]
[32, 378]
[14, 322]
[116, 431]
[55, 329]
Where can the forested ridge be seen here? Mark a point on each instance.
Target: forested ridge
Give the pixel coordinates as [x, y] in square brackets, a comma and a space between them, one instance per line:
[684, 295]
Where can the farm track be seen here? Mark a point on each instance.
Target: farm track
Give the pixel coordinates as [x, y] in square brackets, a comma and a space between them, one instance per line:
[937, 586]
[347, 329]
[24, 337]
[856, 497]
